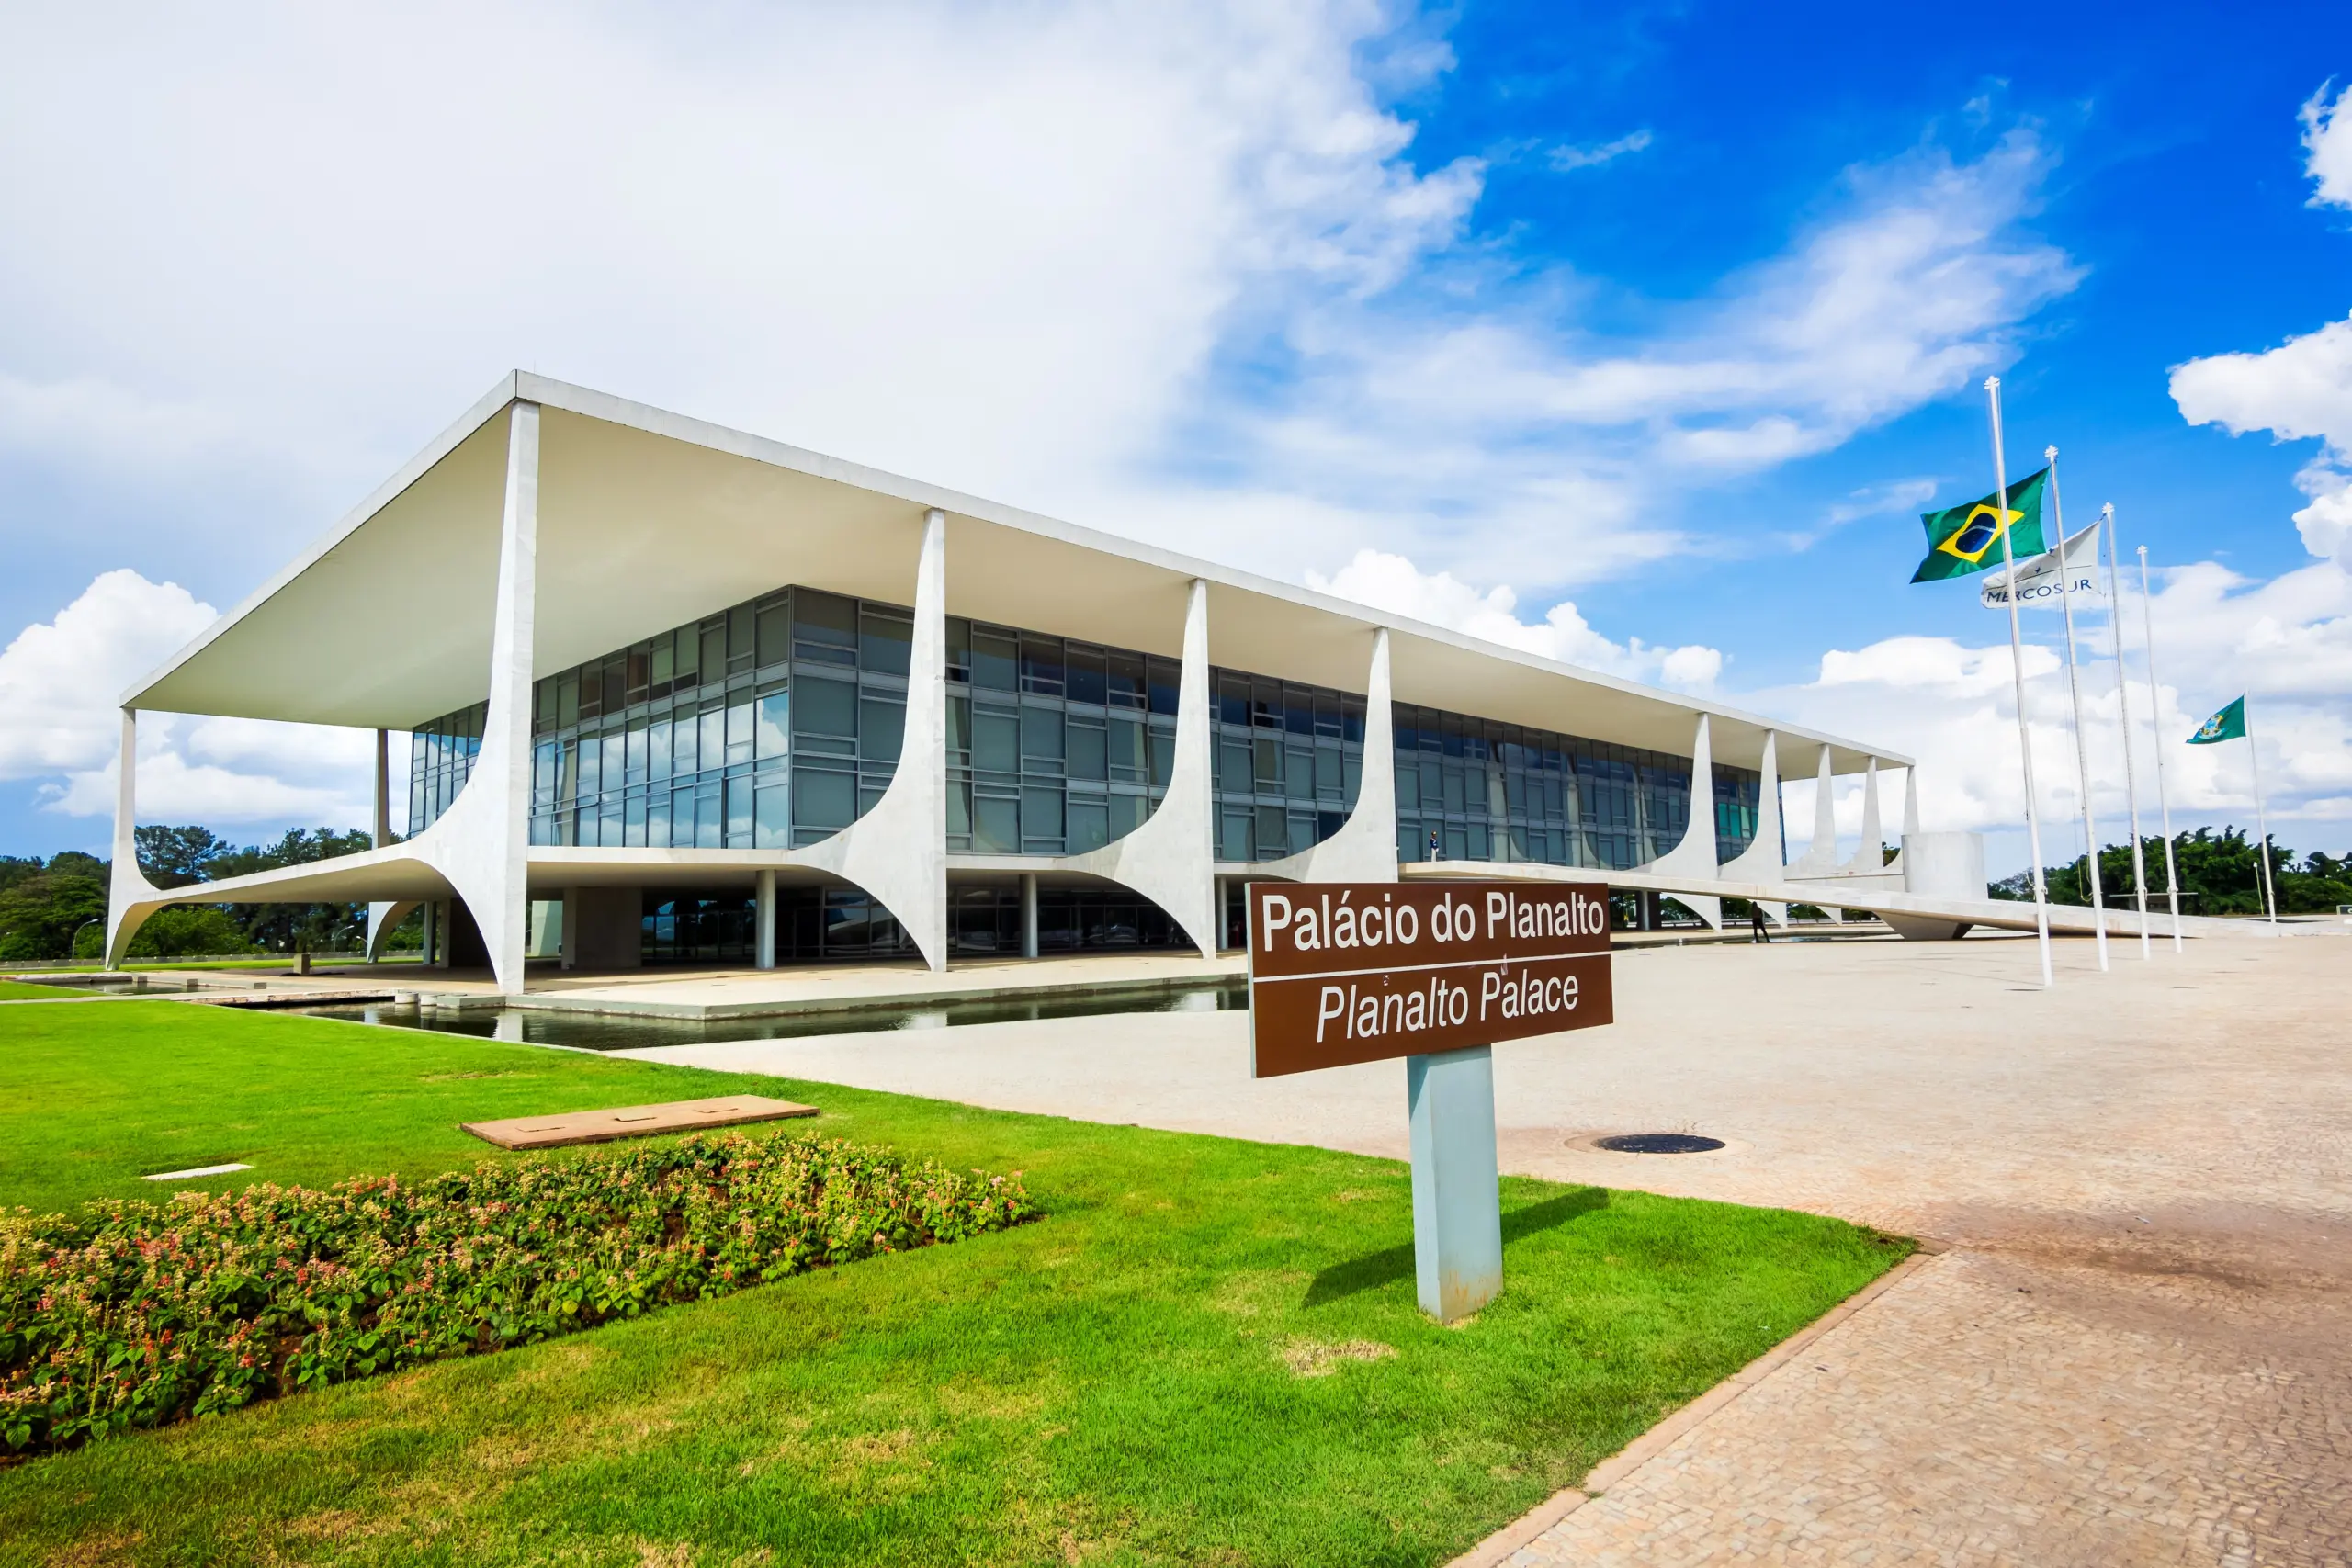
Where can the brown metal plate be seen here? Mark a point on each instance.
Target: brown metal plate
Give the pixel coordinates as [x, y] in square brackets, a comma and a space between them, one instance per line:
[633, 1120]
[1359, 972]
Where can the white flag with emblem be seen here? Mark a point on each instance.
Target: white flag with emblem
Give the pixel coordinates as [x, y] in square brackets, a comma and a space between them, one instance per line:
[2038, 578]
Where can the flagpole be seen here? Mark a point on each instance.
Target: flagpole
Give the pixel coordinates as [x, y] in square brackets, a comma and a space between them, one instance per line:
[2261, 820]
[2074, 695]
[2163, 801]
[2123, 697]
[2017, 673]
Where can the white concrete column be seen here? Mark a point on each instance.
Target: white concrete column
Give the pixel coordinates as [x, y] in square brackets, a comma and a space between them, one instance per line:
[1364, 848]
[1869, 855]
[482, 845]
[1170, 859]
[764, 897]
[1694, 858]
[1820, 857]
[130, 897]
[897, 851]
[1028, 914]
[384, 915]
[1760, 861]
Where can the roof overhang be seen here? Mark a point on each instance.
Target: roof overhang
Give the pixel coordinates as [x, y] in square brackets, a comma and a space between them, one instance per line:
[648, 519]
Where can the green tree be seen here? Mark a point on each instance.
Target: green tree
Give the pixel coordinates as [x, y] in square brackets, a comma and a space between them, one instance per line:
[42, 910]
[174, 857]
[2219, 875]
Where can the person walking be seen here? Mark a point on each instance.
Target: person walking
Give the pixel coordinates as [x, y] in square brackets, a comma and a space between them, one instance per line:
[1757, 930]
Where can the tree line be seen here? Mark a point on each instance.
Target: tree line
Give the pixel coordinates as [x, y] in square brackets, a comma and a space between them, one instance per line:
[57, 908]
[2219, 875]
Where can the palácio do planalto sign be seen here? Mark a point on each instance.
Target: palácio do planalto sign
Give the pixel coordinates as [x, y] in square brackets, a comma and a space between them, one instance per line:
[1361, 972]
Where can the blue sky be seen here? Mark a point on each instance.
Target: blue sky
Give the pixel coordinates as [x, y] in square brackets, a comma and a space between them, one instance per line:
[1636, 334]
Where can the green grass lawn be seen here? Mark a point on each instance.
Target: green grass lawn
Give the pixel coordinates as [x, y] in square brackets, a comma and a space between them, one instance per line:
[18, 991]
[1207, 1352]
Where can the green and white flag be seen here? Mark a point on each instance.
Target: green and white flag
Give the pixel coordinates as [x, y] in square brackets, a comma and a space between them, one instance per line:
[2227, 725]
[1964, 539]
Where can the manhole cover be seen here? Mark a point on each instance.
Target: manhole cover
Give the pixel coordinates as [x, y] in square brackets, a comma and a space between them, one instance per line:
[1658, 1144]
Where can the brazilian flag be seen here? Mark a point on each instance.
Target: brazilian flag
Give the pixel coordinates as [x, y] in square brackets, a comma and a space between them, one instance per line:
[2227, 725]
[1964, 539]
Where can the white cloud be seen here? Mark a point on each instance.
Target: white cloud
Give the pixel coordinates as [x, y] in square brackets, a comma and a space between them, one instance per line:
[2286, 643]
[59, 682]
[1567, 158]
[1453, 423]
[2327, 139]
[1392, 582]
[59, 677]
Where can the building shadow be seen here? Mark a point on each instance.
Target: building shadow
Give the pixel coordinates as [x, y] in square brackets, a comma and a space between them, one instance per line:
[1389, 1265]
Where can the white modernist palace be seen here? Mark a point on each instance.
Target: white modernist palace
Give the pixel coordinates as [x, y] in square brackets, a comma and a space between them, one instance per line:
[714, 696]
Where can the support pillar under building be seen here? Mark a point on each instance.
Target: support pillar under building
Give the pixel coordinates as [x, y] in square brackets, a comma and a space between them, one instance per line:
[764, 898]
[1029, 914]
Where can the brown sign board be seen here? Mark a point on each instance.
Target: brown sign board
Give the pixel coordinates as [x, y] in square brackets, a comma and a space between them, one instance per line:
[1362, 971]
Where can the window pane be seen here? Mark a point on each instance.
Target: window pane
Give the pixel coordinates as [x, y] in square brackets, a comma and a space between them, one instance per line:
[739, 814]
[1299, 775]
[682, 817]
[592, 766]
[740, 620]
[1164, 675]
[1089, 825]
[739, 732]
[1041, 820]
[1127, 814]
[683, 763]
[1326, 773]
[1041, 665]
[1085, 675]
[774, 726]
[885, 642]
[959, 726]
[825, 707]
[1041, 735]
[664, 662]
[882, 726]
[996, 741]
[996, 825]
[1128, 759]
[710, 826]
[689, 658]
[658, 742]
[959, 809]
[774, 639]
[1163, 756]
[822, 799]
[713, 724]
[657, 822]
[1122, 680]
[995, 660]
[1088, 751]
[824, 626]
[1234, 843]
[633, 760]
[714, 655]
[959, 649]
[1273, 832]
[1232, 699]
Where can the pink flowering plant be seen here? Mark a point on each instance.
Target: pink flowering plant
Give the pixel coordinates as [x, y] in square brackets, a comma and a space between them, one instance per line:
[137, 1313]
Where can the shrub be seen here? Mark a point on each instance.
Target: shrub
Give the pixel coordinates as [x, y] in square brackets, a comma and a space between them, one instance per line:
[135, 1313]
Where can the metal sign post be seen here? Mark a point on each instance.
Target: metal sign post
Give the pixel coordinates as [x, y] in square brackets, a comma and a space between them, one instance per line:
[1437, 974]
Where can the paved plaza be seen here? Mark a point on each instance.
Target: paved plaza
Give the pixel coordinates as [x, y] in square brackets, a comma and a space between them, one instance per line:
[2135, 1348]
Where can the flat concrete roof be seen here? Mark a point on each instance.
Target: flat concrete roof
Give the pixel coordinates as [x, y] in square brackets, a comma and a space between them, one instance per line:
[649, 520]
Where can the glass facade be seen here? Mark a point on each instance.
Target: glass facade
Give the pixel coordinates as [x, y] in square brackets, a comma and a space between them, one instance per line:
[778, 722]
[1474, 789]
[1054, 746]
[1289, 761]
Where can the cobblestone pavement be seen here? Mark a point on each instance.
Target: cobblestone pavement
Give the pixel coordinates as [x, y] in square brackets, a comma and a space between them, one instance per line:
[2137, 1349]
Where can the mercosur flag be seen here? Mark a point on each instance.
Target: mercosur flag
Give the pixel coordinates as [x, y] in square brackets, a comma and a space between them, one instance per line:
[2227, 725]
[2038, 579]
[1962, 539]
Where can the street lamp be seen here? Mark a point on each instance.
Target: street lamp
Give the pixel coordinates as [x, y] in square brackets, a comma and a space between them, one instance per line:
[74, 946]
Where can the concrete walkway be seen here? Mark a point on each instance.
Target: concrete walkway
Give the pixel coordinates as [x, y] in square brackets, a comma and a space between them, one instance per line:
[2134, 1351]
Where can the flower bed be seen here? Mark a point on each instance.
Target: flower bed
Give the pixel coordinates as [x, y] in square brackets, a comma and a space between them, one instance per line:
[136, 1314]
